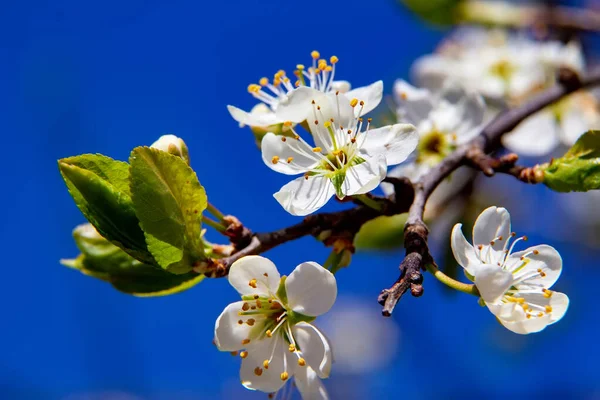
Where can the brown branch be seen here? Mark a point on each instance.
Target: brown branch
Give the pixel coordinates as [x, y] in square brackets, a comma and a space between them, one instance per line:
[415, 231]
[477, 159]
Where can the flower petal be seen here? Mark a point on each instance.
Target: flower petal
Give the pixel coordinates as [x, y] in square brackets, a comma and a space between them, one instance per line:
[297, 105]
[414, 105]
[371, 95]
[252, 275]
[395, 142]
[431, 71]
[229, 334]
[462, 109]
[274, 148]
[540, 268]
[463, 252]
[342, 86]
[527, 325]
[311, 289]
[261, 115]
[315, 348]
[304, 196]
[492, 282]
[309, 385]
[364, 177]
[492, 225]
[536, 136]
[558, 303]
[255, 376]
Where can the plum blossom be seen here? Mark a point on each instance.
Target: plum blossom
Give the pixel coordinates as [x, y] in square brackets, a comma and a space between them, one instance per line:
[272, 328]
[172, 145]
[515, 286]
[347, 158]
[320, 76]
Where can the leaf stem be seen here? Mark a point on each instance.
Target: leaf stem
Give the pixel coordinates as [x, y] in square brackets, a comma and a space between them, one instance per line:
[213, 224]
[454, 284]
[369, 202]
[215, 212]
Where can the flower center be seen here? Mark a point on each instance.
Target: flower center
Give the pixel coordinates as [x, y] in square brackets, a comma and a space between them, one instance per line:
[434, 146]
[503, 69]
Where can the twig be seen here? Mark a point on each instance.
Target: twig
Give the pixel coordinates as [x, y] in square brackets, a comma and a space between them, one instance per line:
[476, 158]
[415, 231]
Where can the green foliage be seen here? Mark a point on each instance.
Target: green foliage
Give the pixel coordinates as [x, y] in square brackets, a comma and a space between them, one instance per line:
[579, 169]
[169, 202]
[438, 12]
[100, 187]
[103, 260]
[382, 233]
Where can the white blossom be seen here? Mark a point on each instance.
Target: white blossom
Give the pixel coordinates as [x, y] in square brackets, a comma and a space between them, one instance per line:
[444, 120]
[501, 66]
[561, 123]
[320, 76]
[515, 286]
[271, 326]
[347, 158]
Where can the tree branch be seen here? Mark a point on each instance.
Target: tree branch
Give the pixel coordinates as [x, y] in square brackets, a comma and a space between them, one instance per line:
[415, 231]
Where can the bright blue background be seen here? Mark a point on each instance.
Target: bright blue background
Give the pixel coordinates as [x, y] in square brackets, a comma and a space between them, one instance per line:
[79, 77]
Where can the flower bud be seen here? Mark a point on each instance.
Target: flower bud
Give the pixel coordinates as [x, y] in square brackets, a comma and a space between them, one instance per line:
[172, 145]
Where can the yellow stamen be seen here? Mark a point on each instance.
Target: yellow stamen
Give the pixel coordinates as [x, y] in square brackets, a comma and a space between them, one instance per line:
[548, 309]
[264, 81]
[290, 159]
[274, 160]
[353, 102]
[245, 306]
[317, 149]
[245, 341]
[333, 59]
[258, 371]
[301, 362]
[292, 348]
[547, 293]
[269, 333]
[284, 376]
[243, 354]
[252, 282]
[251, 322]
[315, 54]
[266, 364]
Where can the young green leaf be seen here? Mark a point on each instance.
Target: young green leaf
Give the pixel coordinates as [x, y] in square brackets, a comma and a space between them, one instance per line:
[169, 202]
[99, 186]
[101, 259]
[579, 169]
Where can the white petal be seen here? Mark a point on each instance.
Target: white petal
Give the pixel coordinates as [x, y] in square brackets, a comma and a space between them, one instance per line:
[574, 124]
[371, 95]
[364, 177]
[536, 136]
[342, 86]
[251, 271]
[559, 302]
[546, 262]
[524, 80]
[395, 142]
[304, 196]
[282, 360]
[273, 146]
[492, 225]
[492, 282]
[309, 385]
[311, 289]
[315, 348]
[414, 105]
[469, 109]
[526, 325]
[261, 115]
[297, 105]
[463, 251]
[229, 334]
[431, 71]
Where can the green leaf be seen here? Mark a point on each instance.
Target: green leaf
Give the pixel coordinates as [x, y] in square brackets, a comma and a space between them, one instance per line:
[438, 12]
[381, 233]
[169, 202]
[99, 186]
[104, 261]
[579, 169]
